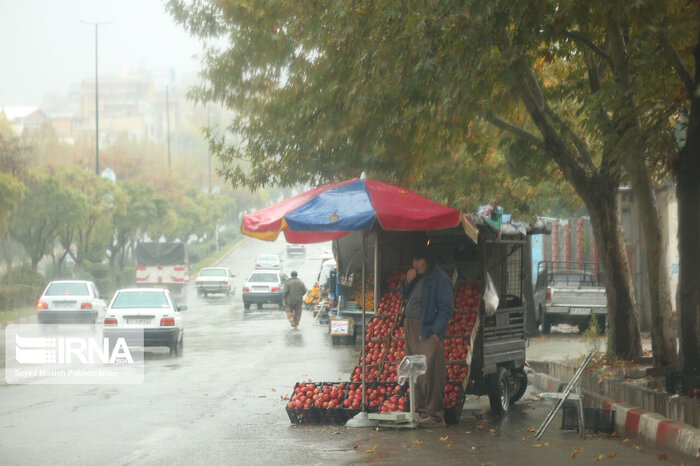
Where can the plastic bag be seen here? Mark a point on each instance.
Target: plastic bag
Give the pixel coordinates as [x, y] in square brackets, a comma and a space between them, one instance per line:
[411, 366]
[490, 296]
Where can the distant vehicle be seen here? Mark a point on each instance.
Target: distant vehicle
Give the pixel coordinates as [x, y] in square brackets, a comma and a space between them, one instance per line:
[70, 301]
[264, 287]
[162, 265]
[215, 280]
[151, 310]
[296, 249]
[569, 293]
[268, 261]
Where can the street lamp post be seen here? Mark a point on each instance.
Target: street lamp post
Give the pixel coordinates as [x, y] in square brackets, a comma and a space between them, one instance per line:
[167, 120]
[97, 108]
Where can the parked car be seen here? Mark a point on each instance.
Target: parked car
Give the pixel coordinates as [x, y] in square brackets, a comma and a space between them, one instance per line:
[268, 261]
[70, 301]
[264, 287]
[215, 280]
[151, 310]
[299, 249]
[569, 293]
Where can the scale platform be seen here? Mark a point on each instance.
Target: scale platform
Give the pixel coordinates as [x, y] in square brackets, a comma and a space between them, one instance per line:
[396, 419]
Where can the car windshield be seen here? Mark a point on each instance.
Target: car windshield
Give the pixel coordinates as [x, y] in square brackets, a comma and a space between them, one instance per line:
[267, 258]
[212, 273]
[67, 289]
[139, 299]
[264, 278]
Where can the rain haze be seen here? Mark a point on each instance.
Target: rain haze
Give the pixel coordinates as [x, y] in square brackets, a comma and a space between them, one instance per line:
[47, 47]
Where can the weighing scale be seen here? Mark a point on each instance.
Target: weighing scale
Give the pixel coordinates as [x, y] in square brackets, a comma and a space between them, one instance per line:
[410, 368]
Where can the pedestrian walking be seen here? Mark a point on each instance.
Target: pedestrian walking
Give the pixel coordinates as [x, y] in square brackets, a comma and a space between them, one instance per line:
[294, 291]
[425, 319]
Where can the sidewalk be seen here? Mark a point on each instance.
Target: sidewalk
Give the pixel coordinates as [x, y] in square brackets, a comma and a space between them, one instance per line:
[637, 409]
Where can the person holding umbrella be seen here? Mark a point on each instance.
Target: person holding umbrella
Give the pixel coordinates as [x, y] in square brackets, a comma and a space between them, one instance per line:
[425, 319]
[294, 291]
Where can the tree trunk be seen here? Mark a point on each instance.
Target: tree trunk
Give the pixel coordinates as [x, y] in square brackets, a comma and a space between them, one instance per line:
[688, 193]
[631, 142]
[7, 249]
[624, 340]
[662, 336]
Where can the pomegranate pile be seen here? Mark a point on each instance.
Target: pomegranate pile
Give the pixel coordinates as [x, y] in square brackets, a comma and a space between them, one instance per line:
[384, 349]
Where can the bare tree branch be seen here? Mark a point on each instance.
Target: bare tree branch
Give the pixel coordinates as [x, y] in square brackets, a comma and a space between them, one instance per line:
[516, 130]
[576, 37]
[677, 63]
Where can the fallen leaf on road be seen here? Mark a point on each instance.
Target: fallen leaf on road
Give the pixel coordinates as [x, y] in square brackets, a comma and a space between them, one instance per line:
[283, 397]
[356, 446]
[442, 439]
[665, 457]
[614, 435]
[372, 450]
[418, 442]
[274, 390]
[612, 455]
[493, 431]
[336, 432]
[531, 429]
[546, 444]
[309, 380]
[626, 440]
[233, 399]
[449, 445]
[480, 426]
[637, 447]
[591, 435]
[599, 458]
[524, 439]
[533, 393]
[262, 396]
[576, 452]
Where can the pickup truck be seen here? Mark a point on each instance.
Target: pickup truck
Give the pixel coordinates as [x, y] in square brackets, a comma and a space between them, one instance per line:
[569, 293]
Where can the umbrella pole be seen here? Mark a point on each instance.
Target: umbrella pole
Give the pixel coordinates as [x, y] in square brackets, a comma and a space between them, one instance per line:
[362, 418]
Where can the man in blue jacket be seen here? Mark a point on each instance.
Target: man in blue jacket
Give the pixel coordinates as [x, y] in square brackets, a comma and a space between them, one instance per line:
[425, 318]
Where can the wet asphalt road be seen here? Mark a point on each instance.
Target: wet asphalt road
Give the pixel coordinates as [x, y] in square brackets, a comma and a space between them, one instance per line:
[221, 403]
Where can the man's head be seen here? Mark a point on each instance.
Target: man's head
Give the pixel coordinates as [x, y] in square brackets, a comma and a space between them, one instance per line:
[294, 274]
[423, 259]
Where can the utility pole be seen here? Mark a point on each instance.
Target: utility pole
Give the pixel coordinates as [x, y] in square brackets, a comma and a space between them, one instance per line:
[97, 107]
[167, 119]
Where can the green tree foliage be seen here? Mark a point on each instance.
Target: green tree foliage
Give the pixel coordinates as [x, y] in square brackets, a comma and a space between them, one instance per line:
[40, 213]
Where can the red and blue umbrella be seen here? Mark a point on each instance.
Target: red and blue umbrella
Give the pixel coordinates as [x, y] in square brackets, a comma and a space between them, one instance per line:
[332, 211]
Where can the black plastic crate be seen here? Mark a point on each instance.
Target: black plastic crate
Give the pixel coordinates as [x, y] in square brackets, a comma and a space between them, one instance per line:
[454, 413]
[595, 420]
[304, 415]
[337, 415]
[683, 383]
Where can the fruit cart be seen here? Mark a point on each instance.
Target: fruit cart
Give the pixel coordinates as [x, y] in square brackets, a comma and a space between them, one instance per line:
[484, 352]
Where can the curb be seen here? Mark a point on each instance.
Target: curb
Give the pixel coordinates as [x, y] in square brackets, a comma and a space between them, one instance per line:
[650, 427]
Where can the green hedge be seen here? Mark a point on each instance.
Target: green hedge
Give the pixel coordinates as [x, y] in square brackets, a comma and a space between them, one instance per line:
[14, 296]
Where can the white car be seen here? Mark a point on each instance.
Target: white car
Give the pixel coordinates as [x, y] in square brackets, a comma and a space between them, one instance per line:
[264, 287]
[213, 280]
[296, 249]
[70, 301]
[268, 261]
[148, 310]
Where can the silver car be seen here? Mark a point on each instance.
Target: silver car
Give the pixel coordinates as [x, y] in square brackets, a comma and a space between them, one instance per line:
[264, 287]
[268, 261]
[70, 302]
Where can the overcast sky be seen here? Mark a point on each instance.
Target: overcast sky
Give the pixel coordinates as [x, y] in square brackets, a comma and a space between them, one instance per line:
[45, 48]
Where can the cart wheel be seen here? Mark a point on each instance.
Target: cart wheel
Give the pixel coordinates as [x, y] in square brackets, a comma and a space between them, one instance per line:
[499, 392]
[518, 384]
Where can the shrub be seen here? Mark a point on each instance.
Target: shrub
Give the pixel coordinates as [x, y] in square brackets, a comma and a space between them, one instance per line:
[24, 276]
[14, 296]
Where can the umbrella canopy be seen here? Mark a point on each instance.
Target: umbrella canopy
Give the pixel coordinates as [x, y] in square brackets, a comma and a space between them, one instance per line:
[332, 211]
